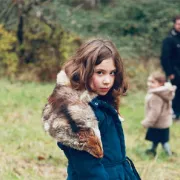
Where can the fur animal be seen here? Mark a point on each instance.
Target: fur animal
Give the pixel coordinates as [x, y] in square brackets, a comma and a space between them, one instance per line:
[69, 119]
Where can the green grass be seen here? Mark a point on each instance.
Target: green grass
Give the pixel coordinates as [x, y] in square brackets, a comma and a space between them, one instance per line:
[28, 153]
[161, 167]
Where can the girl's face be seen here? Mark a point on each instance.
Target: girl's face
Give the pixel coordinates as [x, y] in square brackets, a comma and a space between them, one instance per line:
[152, 83]
[103, 77]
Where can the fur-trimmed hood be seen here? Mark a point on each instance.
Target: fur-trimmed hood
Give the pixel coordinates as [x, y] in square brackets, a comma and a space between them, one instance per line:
[166, 92]
[69, 119]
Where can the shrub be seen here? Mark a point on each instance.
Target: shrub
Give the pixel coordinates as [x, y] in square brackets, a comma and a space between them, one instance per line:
[8, 57]
[44, 50]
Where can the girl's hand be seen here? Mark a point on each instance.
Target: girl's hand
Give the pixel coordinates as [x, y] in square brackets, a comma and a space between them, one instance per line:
[171, 77]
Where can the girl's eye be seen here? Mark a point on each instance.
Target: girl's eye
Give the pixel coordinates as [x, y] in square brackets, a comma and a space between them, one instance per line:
[113, 73]
[99, 72]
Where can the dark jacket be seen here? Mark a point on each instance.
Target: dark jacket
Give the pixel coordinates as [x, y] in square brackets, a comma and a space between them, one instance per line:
[89, 132]
[170, 55]
[114, 164]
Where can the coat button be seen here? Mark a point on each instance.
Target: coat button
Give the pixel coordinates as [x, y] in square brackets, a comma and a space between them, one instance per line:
[96, 103]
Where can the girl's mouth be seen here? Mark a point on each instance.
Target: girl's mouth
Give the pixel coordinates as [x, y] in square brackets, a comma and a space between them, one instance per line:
[104, 89]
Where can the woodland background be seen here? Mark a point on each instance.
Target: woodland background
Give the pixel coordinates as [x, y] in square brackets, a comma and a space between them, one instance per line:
[37, 37]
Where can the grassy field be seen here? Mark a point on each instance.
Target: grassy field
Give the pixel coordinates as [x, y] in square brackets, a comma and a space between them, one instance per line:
[27, 153]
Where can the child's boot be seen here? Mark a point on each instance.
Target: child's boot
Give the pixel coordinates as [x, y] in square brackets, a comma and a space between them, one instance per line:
[167, 149]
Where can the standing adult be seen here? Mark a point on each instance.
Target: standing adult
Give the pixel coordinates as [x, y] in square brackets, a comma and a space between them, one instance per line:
[170, 61]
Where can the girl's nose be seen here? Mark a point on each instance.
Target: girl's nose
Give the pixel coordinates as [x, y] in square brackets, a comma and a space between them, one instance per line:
[106, 80]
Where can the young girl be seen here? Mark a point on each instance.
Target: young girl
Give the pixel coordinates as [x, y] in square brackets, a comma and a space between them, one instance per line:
[82, 114]
[158, 115]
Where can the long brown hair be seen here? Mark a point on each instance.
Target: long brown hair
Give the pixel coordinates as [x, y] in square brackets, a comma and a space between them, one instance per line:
[80, 67]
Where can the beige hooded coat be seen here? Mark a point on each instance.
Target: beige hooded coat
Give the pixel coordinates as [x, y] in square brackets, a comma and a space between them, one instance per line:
[158, 111]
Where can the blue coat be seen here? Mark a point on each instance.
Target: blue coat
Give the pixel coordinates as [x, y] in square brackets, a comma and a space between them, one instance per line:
[114, 165]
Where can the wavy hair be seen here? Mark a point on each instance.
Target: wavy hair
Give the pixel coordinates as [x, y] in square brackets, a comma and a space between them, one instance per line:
[80, 68]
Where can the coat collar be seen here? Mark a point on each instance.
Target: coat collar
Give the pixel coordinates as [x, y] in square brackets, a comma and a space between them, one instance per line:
[97, 102]
[166, 92]
[173, 32]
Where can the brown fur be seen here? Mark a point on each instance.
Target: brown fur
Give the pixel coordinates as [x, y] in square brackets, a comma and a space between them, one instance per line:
[66, 106]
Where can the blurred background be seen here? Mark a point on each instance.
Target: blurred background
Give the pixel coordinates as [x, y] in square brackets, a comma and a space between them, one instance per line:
[37, 37]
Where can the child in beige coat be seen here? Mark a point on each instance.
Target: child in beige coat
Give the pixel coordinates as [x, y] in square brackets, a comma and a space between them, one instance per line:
[158, 112]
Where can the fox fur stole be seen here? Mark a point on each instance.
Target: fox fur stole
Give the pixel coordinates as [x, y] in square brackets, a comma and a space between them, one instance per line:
[69, 119]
